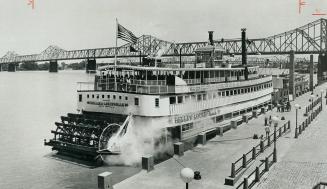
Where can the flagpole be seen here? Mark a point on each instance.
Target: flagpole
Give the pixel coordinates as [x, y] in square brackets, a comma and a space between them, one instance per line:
[116, 56]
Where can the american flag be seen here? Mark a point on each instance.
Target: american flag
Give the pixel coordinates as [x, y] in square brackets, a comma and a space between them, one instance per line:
[125, 34]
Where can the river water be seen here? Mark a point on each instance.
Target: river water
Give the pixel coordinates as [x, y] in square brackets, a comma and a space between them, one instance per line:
[30, 103]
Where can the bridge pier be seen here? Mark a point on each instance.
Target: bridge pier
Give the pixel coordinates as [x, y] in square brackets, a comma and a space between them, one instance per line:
[91, 66]
[11, 67]
[291, 87]
[322, 67]
[53, 67]
[311, 73]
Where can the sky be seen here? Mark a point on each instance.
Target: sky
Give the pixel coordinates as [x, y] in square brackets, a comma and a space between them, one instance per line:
[81, 24]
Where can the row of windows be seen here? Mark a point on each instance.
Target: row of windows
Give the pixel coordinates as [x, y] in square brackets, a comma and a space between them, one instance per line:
[105, 96]
[230, 92]
[136, 99]
[221, 118]
[227, 116]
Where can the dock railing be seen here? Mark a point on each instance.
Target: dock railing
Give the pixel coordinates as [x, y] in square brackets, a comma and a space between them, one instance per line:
[254, 177]
[251, 155]
[320, 185]
[311, 113]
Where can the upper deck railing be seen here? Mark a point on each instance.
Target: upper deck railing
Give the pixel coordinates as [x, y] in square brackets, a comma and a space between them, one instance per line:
[159, 87]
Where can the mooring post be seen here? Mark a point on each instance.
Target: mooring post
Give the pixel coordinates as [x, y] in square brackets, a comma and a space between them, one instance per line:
[261, 146]
[244, 161]
[284, 127]
[266, 164]
[280, 131]
[105, 180]
[268, 140]
[245, 183]
[257, 174]
[233, 171]
[148, 162]
[253, 153]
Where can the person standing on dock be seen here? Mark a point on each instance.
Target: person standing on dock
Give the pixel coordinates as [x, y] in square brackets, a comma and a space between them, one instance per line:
[267, 129]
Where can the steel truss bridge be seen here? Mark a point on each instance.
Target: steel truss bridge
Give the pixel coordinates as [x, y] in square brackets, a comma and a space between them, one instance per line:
[308, 39]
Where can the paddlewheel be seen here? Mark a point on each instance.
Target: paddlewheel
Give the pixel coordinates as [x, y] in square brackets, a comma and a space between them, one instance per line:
[85, 136]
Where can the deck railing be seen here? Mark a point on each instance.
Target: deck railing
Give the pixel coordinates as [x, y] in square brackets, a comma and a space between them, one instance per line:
[160, 87]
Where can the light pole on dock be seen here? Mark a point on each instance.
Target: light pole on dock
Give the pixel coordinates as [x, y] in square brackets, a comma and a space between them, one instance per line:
[187, 176]
[275, 120]
[297, 106]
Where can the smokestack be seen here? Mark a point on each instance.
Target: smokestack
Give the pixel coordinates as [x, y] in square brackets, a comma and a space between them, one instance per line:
[244, 61]
[210, 37]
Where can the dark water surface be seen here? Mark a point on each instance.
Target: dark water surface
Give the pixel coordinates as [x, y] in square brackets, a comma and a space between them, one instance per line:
[30, 103]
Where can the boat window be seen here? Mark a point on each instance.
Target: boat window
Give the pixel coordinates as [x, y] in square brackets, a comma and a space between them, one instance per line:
[80, 98]
[119, 97]
[180, 99]
[102, 96]
[136, 101]
[231, 93]
[235, 92]
[172, 100]
[97, 96]
[243, 112]
[204, 96]
[87, 96]
[187, 126]
[92, 96]
[228, 116]
[238, 91]
[156, 102]
[242, 91]
[236, 113]
[223, 93]
[187, 98]
[199, 97]
[219, 118]
[126, 98]
[227, 93]
[214, 95]
[114, 96]
[108, 96]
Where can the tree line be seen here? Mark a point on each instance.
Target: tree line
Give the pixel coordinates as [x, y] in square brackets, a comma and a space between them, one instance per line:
[45, 66]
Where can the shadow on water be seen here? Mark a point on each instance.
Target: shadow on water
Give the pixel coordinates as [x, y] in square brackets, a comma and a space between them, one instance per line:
[71, 160]
[74, 181]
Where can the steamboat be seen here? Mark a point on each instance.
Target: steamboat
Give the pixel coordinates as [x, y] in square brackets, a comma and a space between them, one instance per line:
[176, 103]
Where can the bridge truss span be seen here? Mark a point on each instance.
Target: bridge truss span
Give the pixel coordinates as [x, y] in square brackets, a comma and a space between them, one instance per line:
[308, 39]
